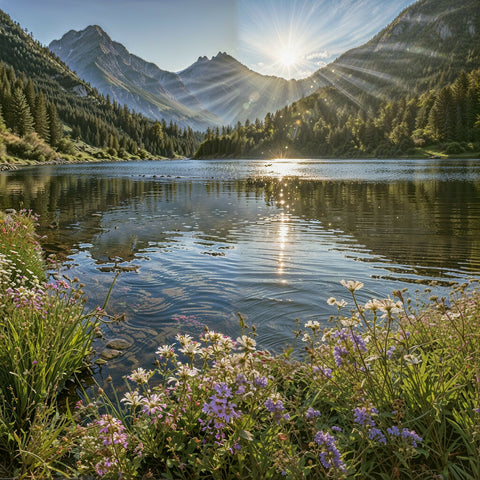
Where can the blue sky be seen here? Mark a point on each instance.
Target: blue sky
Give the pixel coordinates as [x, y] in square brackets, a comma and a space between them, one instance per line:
[289, 38]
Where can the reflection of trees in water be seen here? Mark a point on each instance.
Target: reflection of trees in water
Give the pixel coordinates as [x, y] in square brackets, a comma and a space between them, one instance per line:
[425, 223]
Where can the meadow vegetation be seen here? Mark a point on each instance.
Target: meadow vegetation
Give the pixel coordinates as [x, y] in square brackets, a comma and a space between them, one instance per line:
[390, 390]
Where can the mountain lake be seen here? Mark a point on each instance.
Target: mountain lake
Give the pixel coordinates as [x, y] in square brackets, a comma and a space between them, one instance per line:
[197, 242]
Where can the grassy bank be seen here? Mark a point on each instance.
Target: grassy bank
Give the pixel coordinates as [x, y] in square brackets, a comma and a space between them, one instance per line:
[32, 150]
[391, 390]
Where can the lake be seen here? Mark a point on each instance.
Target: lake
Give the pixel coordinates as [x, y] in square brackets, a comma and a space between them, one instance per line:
[200, 241]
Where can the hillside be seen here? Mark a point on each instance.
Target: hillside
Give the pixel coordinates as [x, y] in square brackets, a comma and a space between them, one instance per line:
[31, 75]
[425, 47]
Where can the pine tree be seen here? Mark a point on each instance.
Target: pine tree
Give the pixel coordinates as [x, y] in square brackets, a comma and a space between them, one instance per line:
[21, 114]
[55, 127]
[41, 117]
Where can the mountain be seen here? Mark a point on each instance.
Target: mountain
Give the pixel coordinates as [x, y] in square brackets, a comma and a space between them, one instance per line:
[234, 92]
[129, 80]
[41, 99]
[426, 46]
[415, 85]
[211, 92]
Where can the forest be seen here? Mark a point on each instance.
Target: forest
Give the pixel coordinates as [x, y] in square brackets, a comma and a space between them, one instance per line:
[445, 119]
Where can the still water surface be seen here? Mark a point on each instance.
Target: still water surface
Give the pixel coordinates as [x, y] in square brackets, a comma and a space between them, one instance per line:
[204, 240]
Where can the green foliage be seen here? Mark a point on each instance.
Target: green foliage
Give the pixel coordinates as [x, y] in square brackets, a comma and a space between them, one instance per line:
[46, 336]
[31, 147]
[316, 127]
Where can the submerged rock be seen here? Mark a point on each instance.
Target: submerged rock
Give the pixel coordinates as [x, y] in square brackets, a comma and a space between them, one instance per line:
[118, 344]
[110, 353]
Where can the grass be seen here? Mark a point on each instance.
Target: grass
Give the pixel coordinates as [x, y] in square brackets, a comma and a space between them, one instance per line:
[390, 390]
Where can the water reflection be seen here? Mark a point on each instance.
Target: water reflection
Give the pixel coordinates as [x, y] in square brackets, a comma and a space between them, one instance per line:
[194, 249]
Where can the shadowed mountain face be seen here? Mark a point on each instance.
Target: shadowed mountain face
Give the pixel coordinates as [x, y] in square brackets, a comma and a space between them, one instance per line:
[235, 93]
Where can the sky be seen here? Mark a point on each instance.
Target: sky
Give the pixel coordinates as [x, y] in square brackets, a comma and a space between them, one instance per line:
[288, 38]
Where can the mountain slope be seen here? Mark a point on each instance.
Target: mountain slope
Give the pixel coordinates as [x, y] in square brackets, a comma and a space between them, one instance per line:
[130, 80]
[426, 46]
[210, 92]
[28, 71]
[235, 93]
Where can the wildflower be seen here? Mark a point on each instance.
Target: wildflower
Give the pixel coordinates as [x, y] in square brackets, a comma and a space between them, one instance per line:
[166, 351]
[393, 431]
[412, 359]
[275, 406]
[373, 305]
[350, 322]
[352, 285]
[312, 413]
[339, 353]
[247, 343]
[132, 398]
[390, 351]
[377, 435]
[411, 436]
[191, 348]
[184, 373]
[140, 375]
[261, 381]
[338, 303]
[363, 417]
[387, 305]
[152, 404]
[326, 372]
[329, 455]
[219, 407]
[183, 339]
[111, 431]
[314, 326]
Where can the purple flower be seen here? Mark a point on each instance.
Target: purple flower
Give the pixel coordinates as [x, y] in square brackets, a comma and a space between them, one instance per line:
[276, 407]
[390, 351]
[339, 353]
[329, 455]
[393, 431]
[311, 413]
[377, 435]
[261, 381]
[363, 417]
[411, 436]
[223, 390]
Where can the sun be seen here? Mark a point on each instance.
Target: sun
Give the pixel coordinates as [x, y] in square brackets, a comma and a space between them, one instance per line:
[288, 58]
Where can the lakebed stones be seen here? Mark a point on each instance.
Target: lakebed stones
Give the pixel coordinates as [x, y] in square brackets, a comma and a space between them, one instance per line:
[118, 344]
[114, 348]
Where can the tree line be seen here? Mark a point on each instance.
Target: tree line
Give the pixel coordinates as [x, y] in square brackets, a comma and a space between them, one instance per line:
[447, 118]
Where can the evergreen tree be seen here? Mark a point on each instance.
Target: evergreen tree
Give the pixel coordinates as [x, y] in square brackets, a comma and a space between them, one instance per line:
[41, 118]
[54, 125]
[21, 114]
